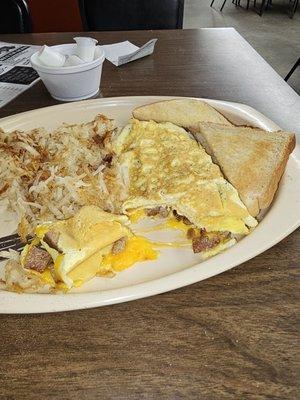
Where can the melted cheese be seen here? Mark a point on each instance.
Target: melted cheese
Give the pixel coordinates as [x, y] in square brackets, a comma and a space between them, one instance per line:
[41, 230]
[173, 223]
[80, 238]
[136, 215]
[168, 224]
[174, 245]
[88, 269]
[85, 241]
[137, 249]
[223, 224]
[45, 276]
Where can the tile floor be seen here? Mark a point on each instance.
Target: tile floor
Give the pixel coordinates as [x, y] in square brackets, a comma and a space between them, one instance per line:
[275, 36]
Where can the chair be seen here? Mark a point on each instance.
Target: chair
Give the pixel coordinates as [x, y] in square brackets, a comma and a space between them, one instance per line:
[117, 15]
[293, 7]
[235, 2]
[292, 70]
[14, 17]
[211, 4]
[264, 5]
[238, 3]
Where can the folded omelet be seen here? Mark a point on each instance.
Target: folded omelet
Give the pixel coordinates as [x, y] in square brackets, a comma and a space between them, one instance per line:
[163, 166]
[67, 253]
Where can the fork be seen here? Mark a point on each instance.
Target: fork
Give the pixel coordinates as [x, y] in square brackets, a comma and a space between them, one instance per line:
[11, 242]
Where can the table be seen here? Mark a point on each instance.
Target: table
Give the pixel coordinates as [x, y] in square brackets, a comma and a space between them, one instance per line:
[230, 337]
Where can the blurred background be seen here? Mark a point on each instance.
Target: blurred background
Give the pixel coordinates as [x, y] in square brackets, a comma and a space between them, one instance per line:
[272, 27]
[55, 15]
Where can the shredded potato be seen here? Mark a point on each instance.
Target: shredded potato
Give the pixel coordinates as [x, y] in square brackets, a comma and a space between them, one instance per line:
[49, 175]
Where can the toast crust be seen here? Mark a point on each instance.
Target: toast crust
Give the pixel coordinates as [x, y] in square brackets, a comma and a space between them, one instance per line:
[245, 164]
[265, 200]
[181, 112]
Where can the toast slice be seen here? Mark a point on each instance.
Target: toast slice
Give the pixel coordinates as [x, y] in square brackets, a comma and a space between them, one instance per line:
[181, 112]
[252, 160]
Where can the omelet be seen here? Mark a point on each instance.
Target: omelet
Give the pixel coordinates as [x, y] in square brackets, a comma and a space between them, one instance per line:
[67, 253]
[164, 168]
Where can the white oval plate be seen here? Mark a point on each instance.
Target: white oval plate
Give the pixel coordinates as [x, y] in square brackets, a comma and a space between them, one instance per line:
[175, 267]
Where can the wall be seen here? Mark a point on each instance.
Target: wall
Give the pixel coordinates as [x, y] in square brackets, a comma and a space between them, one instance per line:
[55, 15]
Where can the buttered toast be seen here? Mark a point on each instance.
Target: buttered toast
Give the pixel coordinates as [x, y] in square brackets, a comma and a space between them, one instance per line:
[253, 160]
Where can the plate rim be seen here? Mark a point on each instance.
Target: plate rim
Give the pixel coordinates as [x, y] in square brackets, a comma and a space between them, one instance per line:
[85, 300]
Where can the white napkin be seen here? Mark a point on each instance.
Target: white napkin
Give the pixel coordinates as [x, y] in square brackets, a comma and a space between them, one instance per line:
[124, 52]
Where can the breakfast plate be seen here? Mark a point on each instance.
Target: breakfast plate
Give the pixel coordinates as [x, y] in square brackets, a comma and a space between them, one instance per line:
[175, 267]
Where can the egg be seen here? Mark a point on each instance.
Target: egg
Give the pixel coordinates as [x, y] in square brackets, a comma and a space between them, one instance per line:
[136, 215]
[81, 248]
[167, 167]
[81, 241]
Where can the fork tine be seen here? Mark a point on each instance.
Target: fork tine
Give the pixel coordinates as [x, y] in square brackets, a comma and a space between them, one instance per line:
[9, 237]
[10, 243]
[18, 246]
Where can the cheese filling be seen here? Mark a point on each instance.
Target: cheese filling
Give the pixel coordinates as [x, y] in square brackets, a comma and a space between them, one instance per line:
[204, 241]
[67, 254]
[136, 249]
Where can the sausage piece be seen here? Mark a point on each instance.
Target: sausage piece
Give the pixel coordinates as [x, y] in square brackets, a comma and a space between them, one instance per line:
[206, 241]
[182, 218]
[163, 212]
[108, 159]
[194, 232]
[203, 242]
[37, 259]
[51, 238]
[186, 221]
[191, 233]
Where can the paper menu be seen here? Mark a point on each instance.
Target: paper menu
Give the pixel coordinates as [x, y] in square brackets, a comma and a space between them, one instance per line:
[16, 74]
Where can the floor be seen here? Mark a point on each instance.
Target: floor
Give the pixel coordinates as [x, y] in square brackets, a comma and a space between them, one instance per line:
[275, 36]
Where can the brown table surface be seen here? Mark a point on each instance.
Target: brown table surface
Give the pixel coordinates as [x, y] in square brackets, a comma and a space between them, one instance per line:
[230, 337]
